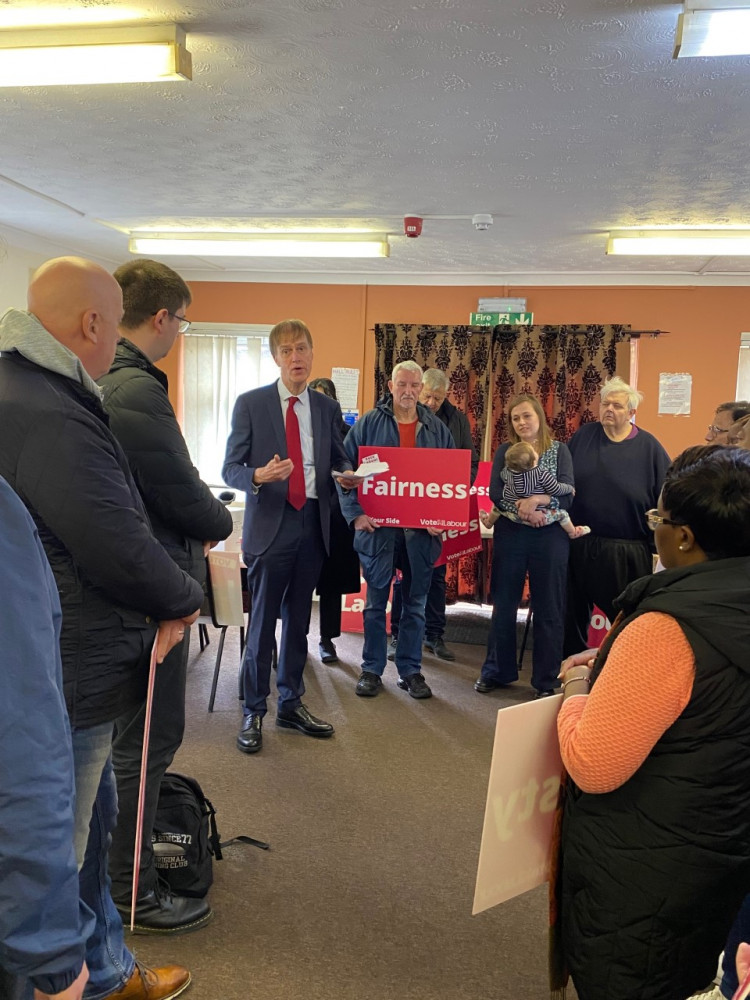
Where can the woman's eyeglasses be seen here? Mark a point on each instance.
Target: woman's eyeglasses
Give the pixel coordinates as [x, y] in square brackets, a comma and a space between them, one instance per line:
[654, 519]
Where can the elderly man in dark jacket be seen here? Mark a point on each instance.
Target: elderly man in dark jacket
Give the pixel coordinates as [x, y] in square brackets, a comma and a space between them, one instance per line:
[186, 517]
[435, 385]
[114, 578]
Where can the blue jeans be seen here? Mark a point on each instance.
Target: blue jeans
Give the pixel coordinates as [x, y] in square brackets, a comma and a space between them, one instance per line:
[414, 552]
[740, 932]
[109, 961]
[543, 553]
[434, 610]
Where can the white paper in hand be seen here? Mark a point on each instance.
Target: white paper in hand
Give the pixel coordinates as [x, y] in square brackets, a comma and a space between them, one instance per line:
[371, 466]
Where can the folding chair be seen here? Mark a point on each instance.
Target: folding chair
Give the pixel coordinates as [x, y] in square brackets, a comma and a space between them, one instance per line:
[225, 603]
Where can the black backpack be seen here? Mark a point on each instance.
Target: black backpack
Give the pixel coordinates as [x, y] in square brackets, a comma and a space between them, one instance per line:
[185, 837]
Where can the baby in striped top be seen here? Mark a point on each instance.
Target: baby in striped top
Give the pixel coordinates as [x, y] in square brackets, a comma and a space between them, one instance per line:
[523, 478]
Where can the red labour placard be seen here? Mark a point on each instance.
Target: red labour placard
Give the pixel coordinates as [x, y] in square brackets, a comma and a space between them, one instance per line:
[457, 543]
[481, 487]
[423, 488]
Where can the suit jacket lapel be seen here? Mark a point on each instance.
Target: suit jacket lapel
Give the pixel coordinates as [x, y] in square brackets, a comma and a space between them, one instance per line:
[317, 427]
[273, 404]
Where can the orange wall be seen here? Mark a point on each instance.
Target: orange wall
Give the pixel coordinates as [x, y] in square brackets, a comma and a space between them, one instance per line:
[703, 324]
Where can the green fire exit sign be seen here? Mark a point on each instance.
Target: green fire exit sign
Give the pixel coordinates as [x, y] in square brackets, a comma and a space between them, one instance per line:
[502, 319]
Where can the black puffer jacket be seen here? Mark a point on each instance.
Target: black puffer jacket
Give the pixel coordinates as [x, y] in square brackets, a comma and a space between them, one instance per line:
[655, 871]
[114, 577]
[183, 511]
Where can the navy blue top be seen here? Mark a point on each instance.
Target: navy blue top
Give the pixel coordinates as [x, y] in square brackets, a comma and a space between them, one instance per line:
[616, 481]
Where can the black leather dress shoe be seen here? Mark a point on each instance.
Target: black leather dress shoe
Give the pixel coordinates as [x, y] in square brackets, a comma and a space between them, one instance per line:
[300, 718]
[327, 651]
[250, 738]
[160, 912]
[483, 686]
[544, 694]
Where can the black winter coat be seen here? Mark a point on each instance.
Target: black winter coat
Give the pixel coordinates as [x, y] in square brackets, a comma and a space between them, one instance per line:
[114, 577]
[458, 424]
[183, 511]
[654, 872]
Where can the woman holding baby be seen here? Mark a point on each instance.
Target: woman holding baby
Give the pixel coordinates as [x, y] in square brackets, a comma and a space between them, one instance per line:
[529, 537]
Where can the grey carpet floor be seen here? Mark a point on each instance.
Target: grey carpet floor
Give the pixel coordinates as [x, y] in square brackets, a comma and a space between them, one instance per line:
[367, 890]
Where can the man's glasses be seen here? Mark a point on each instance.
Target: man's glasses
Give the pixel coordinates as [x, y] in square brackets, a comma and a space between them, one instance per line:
[713, 429]
[185, 324]
[654, 519]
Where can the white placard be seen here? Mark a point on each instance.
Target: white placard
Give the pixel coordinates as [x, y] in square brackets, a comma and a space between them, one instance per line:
[346, 381]
[521, 800]
[675, 389]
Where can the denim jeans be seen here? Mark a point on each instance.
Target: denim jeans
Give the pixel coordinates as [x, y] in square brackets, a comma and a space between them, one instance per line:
[109, 961]
[412, 551]
[434, 611]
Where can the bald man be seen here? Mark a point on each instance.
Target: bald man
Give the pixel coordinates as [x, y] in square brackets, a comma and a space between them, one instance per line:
[114, 578]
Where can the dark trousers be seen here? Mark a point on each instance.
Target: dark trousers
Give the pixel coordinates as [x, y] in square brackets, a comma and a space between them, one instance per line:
[14, 987]
[543, 554]
[281, 581]
[434, 612]
[599, 570]
[329, 610]
[167, 729]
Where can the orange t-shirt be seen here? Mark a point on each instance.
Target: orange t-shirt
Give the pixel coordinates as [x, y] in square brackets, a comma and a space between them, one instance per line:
[408, 434]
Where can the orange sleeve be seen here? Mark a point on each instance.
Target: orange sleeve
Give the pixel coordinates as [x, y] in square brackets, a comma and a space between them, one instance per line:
[647, 682]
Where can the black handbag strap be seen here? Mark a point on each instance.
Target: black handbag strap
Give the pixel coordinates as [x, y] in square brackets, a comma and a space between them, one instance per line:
[245, 840]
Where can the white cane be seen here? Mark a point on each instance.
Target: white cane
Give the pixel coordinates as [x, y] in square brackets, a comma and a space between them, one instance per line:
[142, 785]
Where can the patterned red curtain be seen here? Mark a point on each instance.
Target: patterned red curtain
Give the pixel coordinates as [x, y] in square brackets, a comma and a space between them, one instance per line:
[563, 366]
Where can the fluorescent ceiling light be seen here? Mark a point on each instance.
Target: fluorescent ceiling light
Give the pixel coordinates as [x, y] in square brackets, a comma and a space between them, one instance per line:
[71, 56]
[680, 242]
[261, 245]
[713, 32]
[46, 16]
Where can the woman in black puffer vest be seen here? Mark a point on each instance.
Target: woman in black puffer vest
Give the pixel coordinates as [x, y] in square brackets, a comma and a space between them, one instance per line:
[655, 857]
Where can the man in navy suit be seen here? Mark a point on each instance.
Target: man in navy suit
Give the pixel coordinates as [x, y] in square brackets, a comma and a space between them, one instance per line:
[286, 528]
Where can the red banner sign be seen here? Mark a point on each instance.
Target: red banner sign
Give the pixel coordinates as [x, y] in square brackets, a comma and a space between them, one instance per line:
[423, 488]
[598, 628]
[462, 543]
[481, 487]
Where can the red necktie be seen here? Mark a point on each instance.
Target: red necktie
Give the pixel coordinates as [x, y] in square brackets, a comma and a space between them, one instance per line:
[296, 494]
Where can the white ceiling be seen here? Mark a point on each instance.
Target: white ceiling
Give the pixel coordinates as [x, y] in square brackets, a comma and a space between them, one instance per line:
[562, 118]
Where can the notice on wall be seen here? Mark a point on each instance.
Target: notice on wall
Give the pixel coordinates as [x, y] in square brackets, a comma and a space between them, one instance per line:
[675, 389]
[346, 381]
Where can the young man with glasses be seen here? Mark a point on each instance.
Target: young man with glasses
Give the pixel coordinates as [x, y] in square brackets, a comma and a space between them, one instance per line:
[187, 519]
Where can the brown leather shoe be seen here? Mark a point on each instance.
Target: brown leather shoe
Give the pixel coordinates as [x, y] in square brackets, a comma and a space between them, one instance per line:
[163, 983]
